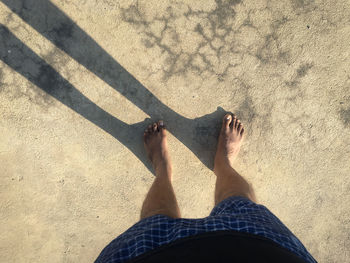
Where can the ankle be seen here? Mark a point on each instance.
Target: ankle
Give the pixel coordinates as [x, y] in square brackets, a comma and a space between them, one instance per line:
[163, 169]
[222, 167]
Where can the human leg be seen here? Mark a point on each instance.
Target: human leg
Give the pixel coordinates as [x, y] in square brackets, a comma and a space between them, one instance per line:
[228, 181]
[160, 198]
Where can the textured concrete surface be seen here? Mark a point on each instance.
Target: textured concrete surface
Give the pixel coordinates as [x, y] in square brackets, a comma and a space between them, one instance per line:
[79, 81]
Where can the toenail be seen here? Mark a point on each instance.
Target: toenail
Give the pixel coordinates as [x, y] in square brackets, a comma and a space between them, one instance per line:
[161, 123]
[228, 117]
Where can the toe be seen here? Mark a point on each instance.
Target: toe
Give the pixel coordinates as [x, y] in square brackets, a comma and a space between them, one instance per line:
[242, 131]
[240, 127]
[161, 127]
[227, 121]
[145, 135]
[154, 127]
[149, 128]
[237, 124]
[234, 121]
[161, 124]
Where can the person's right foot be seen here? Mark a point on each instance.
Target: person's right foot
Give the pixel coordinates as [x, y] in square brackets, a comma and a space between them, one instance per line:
[156, 147]
[230, 140]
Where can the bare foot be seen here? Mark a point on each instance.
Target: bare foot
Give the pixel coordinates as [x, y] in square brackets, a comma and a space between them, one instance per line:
[155, 142]
[230, 140]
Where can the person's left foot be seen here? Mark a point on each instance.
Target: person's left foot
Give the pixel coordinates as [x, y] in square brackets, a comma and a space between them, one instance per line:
[156, 146]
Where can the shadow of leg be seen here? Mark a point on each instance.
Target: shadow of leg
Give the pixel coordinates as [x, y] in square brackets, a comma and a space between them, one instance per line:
[32, 67]
[199, 135]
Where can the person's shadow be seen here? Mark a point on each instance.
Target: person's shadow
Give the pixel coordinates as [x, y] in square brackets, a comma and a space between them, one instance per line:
[199, 134]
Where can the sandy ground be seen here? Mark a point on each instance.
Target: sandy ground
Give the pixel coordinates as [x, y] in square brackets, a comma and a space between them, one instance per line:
[79, 81]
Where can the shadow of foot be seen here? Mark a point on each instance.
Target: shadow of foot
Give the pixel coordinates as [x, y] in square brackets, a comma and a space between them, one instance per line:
[199, 135]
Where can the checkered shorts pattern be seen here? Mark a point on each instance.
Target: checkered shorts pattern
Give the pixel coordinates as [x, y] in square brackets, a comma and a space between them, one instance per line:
[233, 213]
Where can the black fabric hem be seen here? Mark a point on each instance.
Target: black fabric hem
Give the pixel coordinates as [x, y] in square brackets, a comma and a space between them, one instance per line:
[210, 238]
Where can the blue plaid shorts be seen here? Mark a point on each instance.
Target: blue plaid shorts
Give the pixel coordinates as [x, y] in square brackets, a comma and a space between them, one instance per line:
[233, 213]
